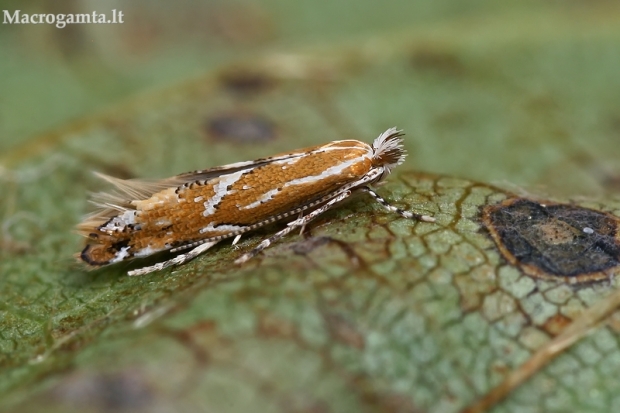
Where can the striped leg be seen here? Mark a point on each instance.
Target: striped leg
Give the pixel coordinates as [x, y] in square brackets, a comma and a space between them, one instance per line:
[402, 213]
[299, 222]
[178, 260]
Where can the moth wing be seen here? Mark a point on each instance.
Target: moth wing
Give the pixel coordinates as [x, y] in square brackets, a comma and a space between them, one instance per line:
[111, 203]
[230, 168]
[128, 190]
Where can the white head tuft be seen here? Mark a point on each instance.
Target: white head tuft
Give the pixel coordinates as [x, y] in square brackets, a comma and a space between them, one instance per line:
[388, 149]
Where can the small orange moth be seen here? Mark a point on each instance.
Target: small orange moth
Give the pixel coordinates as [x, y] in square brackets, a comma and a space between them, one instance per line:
[196, 210]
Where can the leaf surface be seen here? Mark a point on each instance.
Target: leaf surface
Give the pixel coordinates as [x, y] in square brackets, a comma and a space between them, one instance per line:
[368, 311]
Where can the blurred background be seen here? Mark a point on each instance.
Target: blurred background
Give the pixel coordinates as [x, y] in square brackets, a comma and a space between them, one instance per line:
[531, 82]
[52, 75]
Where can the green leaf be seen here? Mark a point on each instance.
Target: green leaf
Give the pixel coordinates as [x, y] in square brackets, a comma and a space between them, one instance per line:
[367, 311]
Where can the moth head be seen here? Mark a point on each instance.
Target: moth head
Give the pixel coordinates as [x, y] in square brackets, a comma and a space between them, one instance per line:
[388, 151]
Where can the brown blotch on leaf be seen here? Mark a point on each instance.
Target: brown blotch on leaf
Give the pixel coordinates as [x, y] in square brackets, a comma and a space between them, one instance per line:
[245, 82]
[239, 127]
[555, 241]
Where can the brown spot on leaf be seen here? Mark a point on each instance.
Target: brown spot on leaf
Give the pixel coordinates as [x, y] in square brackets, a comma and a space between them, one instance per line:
[556, 324]
[376, 400]
[555, 241]
[244, 82]
[240, 127]
[435, 60]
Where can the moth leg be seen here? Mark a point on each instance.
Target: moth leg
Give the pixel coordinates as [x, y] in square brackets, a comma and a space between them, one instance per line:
[291, 226]
[179, 259]
[303, 227]
[187, 246]
[235, 241]
[392, 208]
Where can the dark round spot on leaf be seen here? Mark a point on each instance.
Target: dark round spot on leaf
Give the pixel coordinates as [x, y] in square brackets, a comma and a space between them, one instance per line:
[555, 241]
[241, 128]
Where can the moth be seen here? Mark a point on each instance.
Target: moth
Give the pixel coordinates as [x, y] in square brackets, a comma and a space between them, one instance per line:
[196, 210]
